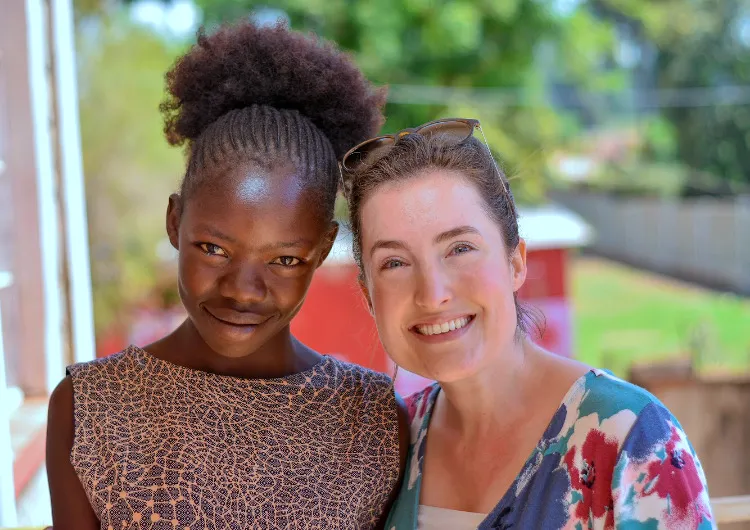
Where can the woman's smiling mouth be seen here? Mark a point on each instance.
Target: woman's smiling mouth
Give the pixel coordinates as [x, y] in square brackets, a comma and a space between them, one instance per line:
[442, 330]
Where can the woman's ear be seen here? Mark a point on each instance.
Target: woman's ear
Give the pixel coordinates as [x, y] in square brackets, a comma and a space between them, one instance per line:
[330, 239]
[518, 265]
[366, 294]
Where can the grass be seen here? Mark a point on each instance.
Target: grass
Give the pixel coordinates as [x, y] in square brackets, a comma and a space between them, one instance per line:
[624, 315]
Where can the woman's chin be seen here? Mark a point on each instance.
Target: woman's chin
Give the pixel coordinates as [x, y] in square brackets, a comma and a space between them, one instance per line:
[449, 369]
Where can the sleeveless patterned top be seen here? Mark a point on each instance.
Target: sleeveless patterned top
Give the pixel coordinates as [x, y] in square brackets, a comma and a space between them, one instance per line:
[160, 446]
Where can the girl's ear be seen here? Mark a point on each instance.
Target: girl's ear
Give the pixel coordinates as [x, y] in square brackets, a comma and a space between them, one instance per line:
[174, 214]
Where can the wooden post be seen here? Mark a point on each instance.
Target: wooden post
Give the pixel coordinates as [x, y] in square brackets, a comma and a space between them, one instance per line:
[731, 509]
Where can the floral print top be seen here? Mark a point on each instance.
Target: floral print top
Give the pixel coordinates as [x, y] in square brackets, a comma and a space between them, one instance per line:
[612, 457]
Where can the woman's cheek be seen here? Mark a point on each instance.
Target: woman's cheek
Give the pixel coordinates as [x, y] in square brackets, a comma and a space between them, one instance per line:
[388, 305]
[487, 277]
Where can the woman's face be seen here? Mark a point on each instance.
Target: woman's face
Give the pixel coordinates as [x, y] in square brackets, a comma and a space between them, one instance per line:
[249, 244]
[438, 275]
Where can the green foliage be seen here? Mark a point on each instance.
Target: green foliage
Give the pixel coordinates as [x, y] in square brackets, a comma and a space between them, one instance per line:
[700, 47]
[713, 138]
[660, 140]
[642, 179]
[654, 319]
[130, 171]
[461, 44]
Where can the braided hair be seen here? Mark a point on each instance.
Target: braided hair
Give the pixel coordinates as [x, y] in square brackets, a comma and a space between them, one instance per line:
[267, 95]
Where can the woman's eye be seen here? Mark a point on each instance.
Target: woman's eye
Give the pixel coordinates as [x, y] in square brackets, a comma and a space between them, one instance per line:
[393, 264]
[212, 250]
[461, 248]
[287, 261]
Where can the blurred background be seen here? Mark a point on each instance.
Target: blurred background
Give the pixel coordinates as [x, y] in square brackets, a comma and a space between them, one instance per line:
[624, 126]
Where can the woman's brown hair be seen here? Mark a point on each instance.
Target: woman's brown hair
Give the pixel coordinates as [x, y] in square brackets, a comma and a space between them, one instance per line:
[412, 155]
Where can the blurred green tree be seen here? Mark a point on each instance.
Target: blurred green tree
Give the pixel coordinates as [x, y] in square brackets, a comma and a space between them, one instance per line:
[129, 168]
[520, 47]
[702, 62]
[489, 47]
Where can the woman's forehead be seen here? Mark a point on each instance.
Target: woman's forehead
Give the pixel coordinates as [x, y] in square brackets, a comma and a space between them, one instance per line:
[430, 201]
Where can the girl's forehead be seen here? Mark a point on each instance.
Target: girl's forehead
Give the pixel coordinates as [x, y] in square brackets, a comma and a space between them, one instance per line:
[257, 204]
[255, 187]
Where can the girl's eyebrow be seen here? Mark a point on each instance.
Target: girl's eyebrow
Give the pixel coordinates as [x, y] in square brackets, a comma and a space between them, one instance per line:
[297, 243]
[213, 232]
[218, 234]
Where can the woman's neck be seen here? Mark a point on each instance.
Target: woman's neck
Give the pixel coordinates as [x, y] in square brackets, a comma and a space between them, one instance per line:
[491, 400]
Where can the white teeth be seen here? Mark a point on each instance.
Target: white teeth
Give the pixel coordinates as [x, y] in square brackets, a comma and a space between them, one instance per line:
[445, 327]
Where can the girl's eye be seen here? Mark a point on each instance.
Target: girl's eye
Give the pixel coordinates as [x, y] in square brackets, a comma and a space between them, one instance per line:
[212, 250]
[287, 261]
[461, 248]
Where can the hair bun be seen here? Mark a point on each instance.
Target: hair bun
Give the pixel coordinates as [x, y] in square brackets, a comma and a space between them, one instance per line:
[242, 65]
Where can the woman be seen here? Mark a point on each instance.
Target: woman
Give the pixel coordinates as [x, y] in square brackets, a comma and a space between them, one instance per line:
[510, 436]
[229, 422]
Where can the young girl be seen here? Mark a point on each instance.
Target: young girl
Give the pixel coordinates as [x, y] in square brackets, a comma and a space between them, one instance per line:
[229, 422]
[510, 436]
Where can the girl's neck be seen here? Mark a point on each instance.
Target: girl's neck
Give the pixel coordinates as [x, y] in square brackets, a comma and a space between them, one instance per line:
[280, 356]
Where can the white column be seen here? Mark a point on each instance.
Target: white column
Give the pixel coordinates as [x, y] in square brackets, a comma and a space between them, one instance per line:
[39, 375]
[49, 229]
[7, 486]
[81, 319]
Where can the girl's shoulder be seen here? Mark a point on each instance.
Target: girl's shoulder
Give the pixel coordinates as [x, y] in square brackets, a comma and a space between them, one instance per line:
[123, 360]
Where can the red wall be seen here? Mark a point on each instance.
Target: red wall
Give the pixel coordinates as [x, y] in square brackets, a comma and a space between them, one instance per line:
[335, 319]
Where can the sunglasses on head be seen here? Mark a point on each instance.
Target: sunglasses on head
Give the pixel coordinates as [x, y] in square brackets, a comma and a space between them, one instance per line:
[372, 150]
[457, 130]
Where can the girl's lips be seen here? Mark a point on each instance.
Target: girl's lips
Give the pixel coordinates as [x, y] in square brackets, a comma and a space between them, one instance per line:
[232, 327]
[235, 318]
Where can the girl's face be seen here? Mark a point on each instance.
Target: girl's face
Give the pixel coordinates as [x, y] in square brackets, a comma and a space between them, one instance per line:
[249, 241]
[438, 275]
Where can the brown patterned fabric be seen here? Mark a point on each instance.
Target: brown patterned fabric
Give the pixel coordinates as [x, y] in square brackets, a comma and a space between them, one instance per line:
[159, 446]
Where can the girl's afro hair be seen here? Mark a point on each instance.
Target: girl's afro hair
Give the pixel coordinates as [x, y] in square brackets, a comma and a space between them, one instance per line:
[242, 65]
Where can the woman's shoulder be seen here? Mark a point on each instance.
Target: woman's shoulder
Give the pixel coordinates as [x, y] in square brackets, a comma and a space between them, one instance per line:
[603, 405]
[656, 473]
[607, 394]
